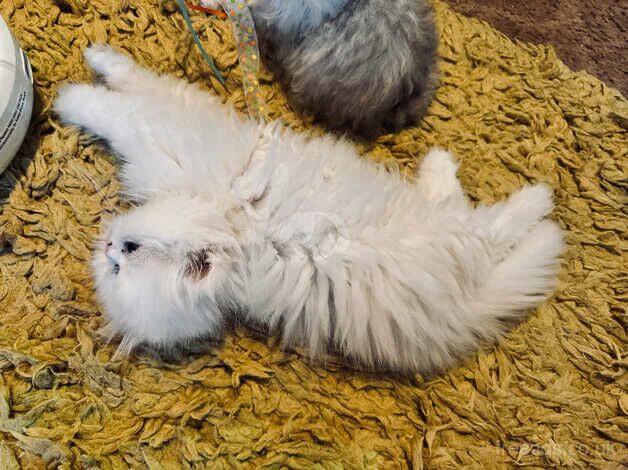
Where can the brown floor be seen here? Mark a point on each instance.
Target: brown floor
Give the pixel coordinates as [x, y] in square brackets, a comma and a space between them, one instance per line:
[587, 34]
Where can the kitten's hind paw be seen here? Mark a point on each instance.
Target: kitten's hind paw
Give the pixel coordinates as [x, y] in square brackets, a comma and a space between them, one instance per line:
[511, 220]
[438, 181]
[527, 207]
[440, 162]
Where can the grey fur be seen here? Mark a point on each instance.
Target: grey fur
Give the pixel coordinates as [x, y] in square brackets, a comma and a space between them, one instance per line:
[368, 66]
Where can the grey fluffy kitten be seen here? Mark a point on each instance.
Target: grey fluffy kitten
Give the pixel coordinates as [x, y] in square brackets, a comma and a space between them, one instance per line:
[368, 66]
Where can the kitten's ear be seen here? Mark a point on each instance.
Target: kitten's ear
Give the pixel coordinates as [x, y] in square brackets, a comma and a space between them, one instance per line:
[197, 265]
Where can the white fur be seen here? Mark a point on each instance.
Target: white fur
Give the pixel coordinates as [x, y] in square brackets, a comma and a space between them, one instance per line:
[301, 235]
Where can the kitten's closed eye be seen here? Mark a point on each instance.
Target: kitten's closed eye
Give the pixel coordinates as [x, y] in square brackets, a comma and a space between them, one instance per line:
[129, 247]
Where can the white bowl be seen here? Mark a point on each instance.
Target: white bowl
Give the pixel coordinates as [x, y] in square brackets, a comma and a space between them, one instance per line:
[16, 95]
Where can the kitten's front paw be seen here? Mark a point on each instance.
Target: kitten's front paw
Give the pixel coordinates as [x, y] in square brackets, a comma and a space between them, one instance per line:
[81, 104]
[108, 62]
[69, 100]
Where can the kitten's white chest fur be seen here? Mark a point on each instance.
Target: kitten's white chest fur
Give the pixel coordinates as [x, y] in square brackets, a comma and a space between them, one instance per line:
[300, 235]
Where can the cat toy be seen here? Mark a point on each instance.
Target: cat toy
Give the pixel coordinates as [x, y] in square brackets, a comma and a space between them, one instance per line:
[246, 46]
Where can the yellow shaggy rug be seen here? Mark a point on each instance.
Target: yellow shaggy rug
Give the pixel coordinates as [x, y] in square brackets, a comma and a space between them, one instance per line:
[552, 394]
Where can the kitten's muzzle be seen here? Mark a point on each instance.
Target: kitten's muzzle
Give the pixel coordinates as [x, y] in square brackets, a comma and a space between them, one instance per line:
[115, 266]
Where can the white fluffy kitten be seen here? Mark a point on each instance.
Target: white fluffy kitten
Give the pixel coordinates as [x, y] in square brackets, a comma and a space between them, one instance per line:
[298, 234]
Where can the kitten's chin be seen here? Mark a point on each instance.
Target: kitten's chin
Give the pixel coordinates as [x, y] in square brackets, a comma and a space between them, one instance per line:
[105, 280]
[161, 312]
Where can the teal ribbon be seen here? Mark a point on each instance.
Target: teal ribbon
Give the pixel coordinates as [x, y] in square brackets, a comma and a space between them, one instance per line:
[186, 16]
